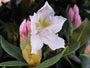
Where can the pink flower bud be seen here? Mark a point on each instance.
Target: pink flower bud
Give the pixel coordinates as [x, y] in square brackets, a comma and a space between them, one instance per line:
[76, 9]
[28, 25]
[86, 49]
[24, 28]
[71, 14]
[74, 16]
[78, 20]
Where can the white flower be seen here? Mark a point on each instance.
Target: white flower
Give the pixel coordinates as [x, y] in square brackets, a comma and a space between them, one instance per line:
[44, 26]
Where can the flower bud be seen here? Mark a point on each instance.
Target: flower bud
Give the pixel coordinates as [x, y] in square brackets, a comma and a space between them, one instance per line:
[74, 16]
[87, 50]
[31, 59]
[78, 20]
[71, 14]
[76, 9]
[28, 25]
[23, 29]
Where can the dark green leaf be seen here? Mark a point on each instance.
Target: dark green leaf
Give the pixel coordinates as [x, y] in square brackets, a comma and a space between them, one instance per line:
[52, 60]
[74, 58]
[11, 49]
[85, 61]
[15, 67]
[0, 37]
[1, 51]
[69, 62]
[82, 33]
[72, 48]
[13, 63]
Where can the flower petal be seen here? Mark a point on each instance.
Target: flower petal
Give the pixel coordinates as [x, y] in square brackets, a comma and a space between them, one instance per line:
[46, 10]
[57, 23]
[34, 20]
[36, 43]
[53, 41]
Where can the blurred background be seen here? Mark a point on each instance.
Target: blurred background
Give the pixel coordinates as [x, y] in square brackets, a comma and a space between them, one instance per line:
[12, 14]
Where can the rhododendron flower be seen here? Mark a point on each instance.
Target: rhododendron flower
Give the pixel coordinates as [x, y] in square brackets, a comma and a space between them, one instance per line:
[44, 26]
[4, 1]
[74, 16]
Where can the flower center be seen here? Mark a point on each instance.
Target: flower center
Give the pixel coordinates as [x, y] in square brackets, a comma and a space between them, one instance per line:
[42, 23]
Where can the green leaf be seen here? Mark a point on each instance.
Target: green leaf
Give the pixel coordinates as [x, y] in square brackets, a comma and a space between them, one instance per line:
[74, 58]
[1, 50]
[85, 61]
[13, 63]
[48, 54]
[0, 38]
[11, 49]
[72, 48]
[69, 62]
[52, 60]
[15, 67]
[82, 33]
